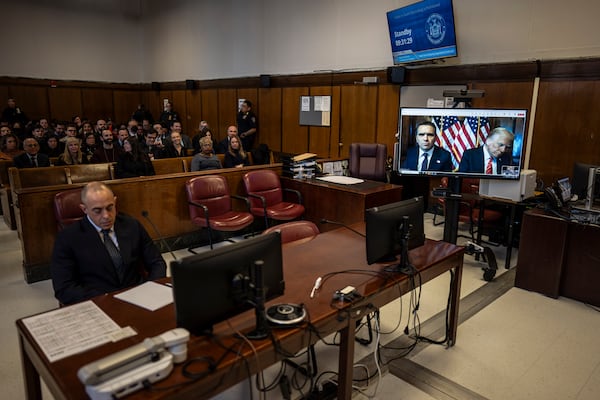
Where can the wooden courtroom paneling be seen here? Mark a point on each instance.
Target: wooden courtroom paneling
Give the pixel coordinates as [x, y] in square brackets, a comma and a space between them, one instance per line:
[151, 100]
[358, 115]
[210, 111]
[65, 103]
[227, 110]
[193, 100]
[179, 105]
[125, 103]
[567, 127]
[320, 137]
[97, 103]
[33, 100]
[3, 95]
[388, 101]
[162, 196]
[294, 137]
[336, 106]
[269, 118]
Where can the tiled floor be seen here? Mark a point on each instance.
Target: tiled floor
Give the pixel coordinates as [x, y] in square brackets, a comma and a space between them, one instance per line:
[521, 346]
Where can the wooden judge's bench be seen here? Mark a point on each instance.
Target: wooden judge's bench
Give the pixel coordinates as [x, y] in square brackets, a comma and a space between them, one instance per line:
[558, 257]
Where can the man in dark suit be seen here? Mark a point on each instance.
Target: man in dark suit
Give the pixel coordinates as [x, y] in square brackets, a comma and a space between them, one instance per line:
[223, 146]
[426, 156]
[32, 158]
[489, 159]
[102, 252]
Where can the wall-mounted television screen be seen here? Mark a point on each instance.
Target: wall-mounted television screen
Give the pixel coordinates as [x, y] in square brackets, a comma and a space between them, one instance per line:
[422, 31]
[478, 143]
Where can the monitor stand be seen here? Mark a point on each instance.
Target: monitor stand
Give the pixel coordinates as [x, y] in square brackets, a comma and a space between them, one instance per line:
[262, 330]
[404, 266]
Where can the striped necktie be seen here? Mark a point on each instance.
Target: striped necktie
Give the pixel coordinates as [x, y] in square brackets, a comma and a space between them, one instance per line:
[488, 168]
[114, 253]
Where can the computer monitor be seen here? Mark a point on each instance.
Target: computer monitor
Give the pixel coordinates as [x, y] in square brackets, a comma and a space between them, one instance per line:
[385, 226]
[579, 183]
[210, 287]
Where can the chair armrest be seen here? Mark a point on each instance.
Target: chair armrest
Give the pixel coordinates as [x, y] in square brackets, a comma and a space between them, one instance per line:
[262, 199]
[298, 194]
[245, 199]
[203, 208]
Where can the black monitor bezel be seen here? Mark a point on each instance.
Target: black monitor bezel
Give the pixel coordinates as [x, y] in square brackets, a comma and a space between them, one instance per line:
[381, 225]
[404, 140]
[203, 283]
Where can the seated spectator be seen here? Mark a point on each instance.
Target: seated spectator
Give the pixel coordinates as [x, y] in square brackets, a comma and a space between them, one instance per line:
[5, 130]
[89, 146]
[103, 252]
[133, 162]
[9, 147]
[149, 145]
[53, 147]
[204, 131]
[235, 156]
[206, 159]
[72, 154]
[223, 146]
[13, 114]
[175, 148]
[108, 152]
[32, 158]
[185, 139]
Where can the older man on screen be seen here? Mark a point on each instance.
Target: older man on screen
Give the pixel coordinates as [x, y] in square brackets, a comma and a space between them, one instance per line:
[489, 159]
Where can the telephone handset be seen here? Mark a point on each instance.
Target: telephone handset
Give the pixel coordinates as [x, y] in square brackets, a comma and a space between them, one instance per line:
[554, 200]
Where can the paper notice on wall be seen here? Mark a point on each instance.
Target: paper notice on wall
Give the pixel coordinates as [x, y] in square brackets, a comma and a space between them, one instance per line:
[305, 103]
[325, 118]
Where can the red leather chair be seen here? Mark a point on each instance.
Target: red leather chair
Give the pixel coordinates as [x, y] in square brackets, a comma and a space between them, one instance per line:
[295, 231]
[210, 206]
[67, 207]
[367, 161]
[266, 197]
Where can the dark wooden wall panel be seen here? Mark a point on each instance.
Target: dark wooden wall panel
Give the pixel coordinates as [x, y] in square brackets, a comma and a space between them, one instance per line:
[336, 106]
[33, 100]
[269, 117]
[227, 110]
[295, 137]
[388, 101]
[358, 115]
[179, 105]
[125, 103]
[319, 137]
[210, 111]
[3, 95]
[567, 127]
[97, 103]
[65, 103]
[193, 100]
[504, 94]
[151, 100]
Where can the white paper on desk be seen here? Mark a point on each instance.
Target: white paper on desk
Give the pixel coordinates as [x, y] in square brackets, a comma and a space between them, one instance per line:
[149, 295]
[344, 180]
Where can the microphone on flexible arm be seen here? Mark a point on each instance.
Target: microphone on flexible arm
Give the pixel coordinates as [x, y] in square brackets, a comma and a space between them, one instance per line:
[328, 221]
[146, 215]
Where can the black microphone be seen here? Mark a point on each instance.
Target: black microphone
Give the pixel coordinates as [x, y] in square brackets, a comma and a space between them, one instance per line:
[328, 221]
[160, 236]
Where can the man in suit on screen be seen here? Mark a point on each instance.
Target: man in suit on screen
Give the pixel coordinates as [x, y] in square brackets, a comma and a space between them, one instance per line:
[489, 159]
[426, 156]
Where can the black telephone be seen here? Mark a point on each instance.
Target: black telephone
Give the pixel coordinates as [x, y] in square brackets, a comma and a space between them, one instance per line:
[554, 200]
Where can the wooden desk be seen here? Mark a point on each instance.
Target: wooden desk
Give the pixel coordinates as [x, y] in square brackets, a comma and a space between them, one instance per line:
[559, 258]
[303, 263]
[341, 203]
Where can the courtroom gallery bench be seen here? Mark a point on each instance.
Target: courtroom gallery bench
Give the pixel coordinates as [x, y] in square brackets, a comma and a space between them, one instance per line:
[163, 196]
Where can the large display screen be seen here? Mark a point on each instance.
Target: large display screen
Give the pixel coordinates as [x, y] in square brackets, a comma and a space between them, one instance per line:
[479, 143]
[422, 31]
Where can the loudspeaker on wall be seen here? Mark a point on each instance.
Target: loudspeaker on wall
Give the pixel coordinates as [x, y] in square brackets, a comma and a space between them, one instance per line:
[395, 74]
[190, 84]
[265, 81]
[155, 86]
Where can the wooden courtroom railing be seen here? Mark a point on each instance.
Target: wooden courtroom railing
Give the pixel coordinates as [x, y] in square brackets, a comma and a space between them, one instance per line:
[163, 196]
[6, 196]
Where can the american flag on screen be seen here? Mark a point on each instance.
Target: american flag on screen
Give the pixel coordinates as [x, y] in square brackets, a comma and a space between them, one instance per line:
[473, 133]
[449, 127]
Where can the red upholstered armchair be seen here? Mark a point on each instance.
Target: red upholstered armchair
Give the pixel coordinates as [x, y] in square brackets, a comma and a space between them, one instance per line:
[295, 231]
[367, 161]
[66, 207]
[210, 206]
[266, 197]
